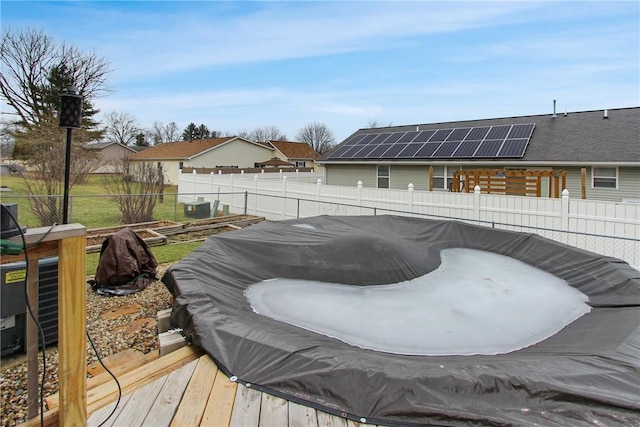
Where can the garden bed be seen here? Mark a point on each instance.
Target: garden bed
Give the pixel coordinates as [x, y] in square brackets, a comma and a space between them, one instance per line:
[151, 238]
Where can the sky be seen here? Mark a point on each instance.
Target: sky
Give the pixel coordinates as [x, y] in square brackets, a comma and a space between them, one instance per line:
[236, 66]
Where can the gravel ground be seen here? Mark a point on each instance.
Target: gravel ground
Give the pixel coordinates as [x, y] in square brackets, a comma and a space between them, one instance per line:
[109, 334]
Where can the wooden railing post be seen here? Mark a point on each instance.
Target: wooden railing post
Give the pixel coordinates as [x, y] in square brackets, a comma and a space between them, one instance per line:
[72, 341]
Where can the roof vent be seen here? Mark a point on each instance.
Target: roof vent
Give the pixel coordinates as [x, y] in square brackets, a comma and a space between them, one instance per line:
[554, 110]
[606, 114]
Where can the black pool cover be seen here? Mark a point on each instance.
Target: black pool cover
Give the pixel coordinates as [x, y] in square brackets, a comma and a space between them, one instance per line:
[587, 374]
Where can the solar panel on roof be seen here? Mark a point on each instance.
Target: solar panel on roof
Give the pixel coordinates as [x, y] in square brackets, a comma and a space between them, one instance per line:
[489, 148]
[498, 132]
[408, 137]
[513, 147]
[410, 150]
[466, 149]
[478, 134]
[521, 131]
[358, 140]
[471, 142]
[458, 134]
[379, 151]
[366, 150]
[424, 136]
[440, 135]
[379, 138]
[445, 149]
[395, 150]
[394, 137]
[368, 138]
[337, 154]
[427, 149]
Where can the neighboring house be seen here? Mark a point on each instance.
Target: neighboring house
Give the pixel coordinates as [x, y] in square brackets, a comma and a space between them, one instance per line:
[224, 152]
[111, 154]
[604, 143]
[299, 154]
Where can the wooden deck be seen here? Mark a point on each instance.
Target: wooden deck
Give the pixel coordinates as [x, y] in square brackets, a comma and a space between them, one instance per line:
[198, 394]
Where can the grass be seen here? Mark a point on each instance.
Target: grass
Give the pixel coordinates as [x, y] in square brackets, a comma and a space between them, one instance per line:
[89, 204]
[91, 207]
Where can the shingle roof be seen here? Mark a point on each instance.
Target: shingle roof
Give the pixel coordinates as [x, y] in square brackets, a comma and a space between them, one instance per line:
[275, 162]
[575, 137]
[295, 150]
[180, 150]
[101, 145]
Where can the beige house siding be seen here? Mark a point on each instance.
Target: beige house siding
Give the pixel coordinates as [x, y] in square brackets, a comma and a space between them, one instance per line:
[628, 185]
[110, 157]
[401, 175]
[234, 153]
[349, 175]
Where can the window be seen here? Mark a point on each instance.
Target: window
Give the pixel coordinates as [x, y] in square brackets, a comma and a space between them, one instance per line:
[383, 176]
[181, 165]
[604, 177]
[438, 177]
[301, 164]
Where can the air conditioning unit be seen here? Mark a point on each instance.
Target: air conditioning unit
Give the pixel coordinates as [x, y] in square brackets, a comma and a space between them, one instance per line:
[13, 304]
[199, 209]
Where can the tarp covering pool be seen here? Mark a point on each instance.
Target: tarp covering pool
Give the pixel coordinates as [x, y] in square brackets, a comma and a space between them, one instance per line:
[308, 310]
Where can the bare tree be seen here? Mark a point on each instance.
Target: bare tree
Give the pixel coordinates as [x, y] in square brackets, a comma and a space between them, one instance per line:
[376, 124]
[318, 136]
[28, 59]
[161, 133]
[134, 188]
[122, 128]
[267, 133]
[35, 71]
[46, 177]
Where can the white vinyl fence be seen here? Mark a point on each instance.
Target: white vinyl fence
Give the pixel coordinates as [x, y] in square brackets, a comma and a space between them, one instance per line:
[607, 228]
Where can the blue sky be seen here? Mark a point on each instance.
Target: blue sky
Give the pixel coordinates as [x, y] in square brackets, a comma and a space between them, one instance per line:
[238, 65]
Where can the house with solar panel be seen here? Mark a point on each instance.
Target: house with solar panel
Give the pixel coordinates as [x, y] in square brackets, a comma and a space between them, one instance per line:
[593, 154]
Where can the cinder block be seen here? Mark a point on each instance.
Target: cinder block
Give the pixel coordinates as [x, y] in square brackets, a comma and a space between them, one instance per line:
[170, 341]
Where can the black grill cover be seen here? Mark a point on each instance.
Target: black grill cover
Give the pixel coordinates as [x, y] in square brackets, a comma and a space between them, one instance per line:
[587, 374]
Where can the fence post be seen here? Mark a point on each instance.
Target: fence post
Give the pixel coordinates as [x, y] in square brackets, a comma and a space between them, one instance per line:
[410, 189]
[284, 196]
[565, 209]
[246, 199]
[360, 197]
[255, 192]
[476, 202]
[193, 175]
[231, 190]
[319, 195]
[262, 174]
[297, 176]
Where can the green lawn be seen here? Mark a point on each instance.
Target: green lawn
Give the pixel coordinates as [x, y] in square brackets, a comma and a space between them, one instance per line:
[91, 206]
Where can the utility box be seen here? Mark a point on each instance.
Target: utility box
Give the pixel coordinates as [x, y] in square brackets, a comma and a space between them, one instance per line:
[13, 304]
[199, 210]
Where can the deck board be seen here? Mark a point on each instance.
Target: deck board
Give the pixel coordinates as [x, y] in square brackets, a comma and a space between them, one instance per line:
[220, 403]
[246, 409]
[140, 403]
[166, 404]
[100, 416]
[302, 416]
[197, 393]
[274, 411]
[195, 397]
[329, 420]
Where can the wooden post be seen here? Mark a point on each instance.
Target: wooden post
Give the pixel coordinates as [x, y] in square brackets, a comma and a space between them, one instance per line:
[33, 407]
[556, 185]
[72, 341]
[583, 182]
[69, 242]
